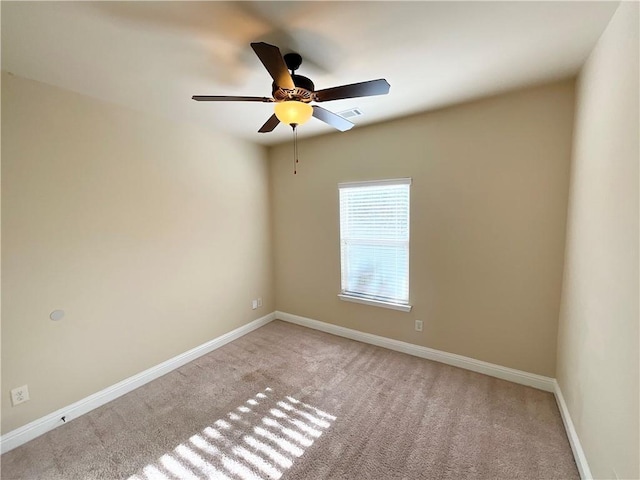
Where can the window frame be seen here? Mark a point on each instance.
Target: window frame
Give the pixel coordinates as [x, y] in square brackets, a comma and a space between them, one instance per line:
[365, 299]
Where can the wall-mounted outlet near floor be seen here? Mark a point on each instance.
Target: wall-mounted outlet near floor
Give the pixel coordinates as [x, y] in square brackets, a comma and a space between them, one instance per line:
[254, 304]
[19, 395]
[418, 325]
[259, 302]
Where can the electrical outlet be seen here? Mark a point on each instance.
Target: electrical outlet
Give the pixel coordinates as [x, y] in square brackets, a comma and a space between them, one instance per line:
[254, 304]
[259, 302]
[418, 325]
[19, 395]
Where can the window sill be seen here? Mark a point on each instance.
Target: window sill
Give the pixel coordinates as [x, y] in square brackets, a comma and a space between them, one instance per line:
[375, 303]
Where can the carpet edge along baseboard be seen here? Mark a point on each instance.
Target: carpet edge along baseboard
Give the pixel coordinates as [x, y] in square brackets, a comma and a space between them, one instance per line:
[31, 430]
[540, 382]
[44, 424]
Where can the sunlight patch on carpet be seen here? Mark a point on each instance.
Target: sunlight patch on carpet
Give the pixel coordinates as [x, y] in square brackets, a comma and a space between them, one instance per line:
[258, 440]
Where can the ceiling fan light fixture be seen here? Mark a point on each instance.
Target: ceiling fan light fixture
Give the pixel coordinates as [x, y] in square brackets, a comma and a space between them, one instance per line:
[293, 112]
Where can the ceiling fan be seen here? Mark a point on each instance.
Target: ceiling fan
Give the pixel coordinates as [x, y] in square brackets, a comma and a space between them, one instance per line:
[293, 93]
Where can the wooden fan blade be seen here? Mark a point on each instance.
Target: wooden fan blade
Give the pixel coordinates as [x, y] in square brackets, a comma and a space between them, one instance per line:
[362, 89]
[336, 121]
[269, 124]
[272, 60]
[222, 98]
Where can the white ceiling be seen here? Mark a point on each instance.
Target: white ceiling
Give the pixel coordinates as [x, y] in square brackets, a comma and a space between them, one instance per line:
[153, 56]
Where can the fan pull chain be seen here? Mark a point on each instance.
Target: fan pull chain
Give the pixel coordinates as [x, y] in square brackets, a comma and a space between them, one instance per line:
[295, 148]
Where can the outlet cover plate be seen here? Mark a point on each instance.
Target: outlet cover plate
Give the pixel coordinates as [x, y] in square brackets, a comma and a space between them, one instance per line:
[19, 395]
[418, 325]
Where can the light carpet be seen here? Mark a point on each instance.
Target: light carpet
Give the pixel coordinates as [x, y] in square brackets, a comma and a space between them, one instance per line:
[287, 402]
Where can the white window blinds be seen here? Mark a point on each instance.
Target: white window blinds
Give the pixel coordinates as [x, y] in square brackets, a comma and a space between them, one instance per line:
[374, 240]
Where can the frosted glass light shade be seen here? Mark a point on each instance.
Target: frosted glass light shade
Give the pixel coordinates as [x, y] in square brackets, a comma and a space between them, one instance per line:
[293, 112]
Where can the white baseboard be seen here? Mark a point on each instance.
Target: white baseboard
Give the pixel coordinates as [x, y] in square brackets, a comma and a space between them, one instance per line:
[574, 441]
[493, 370]
[36, 428]
[516, 376]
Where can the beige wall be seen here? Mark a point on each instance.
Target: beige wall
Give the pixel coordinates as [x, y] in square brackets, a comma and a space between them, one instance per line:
[152, 236]
[488, 206]
[598, 335]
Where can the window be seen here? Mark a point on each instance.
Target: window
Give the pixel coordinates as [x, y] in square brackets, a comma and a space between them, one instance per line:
[374, 242]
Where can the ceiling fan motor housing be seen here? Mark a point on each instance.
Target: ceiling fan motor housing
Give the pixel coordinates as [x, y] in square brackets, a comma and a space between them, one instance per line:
[302, 93]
